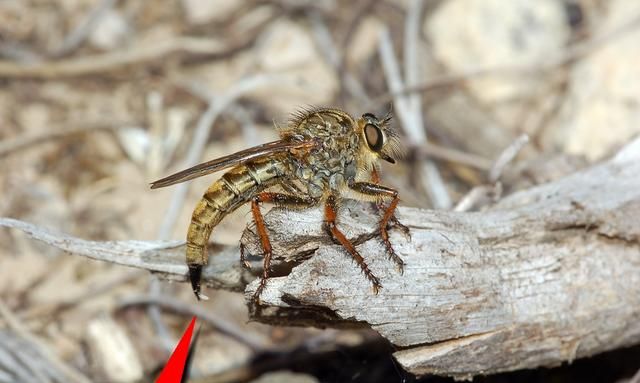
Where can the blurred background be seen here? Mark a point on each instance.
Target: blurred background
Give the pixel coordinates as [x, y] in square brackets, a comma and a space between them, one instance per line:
[100, 97]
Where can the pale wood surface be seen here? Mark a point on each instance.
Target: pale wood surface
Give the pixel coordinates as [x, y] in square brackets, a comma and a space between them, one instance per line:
[547, 275]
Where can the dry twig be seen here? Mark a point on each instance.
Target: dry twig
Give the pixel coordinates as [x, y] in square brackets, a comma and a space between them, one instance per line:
[10, 146]
[485, 194]
[409, 107]
[163, 258]
[106, 62]
[325, 44]
[438, 152]
[218, 323]
[78, 35]
[52, 309]
[569, 56]
[51, 362]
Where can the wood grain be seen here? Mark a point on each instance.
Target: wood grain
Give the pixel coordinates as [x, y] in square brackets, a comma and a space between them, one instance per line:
[545, 276]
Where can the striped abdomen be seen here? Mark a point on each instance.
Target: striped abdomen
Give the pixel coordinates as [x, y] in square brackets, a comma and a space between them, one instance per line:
[232, 190]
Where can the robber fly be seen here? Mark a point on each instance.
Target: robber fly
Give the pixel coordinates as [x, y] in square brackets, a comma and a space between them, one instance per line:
[322, 156]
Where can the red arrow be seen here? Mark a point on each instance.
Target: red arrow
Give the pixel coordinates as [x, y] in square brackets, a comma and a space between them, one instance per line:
[174, 369]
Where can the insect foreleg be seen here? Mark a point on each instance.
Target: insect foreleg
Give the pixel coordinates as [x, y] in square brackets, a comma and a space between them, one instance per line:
[278, 199]
[382, 192]
[330, 214]
[375, 178]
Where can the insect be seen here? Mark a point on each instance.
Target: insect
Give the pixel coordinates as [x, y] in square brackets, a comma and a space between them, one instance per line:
[323, 155]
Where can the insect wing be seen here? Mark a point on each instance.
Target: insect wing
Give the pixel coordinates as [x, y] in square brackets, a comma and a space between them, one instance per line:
[231, 160]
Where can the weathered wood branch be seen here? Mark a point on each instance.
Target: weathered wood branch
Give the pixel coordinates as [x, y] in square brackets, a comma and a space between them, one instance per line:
[545, 276]
[164, 258]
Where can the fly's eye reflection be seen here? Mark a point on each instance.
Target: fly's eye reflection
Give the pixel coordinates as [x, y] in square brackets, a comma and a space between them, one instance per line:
[374, 137]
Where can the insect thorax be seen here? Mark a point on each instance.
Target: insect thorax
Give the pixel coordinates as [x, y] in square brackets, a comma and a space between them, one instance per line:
[334, 163]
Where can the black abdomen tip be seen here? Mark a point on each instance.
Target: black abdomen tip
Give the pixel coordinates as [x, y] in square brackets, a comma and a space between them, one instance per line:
[195, 274]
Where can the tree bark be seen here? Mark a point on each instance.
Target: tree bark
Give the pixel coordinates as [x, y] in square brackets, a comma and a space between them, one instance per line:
[545, 276]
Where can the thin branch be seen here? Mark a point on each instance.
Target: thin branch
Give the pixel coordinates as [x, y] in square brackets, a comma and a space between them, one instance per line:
[18, 52]
[99, 63]
[394, 82]
[481, 195]
[360, 11]
[329, 50]
[10, 366]
[79, 34]
[10, 146]
[28, 354]
[14, 323]
[453, 155]
[409, 111]
[219, 324]
[163, 258]
[53, 309]
[571, 55]
[412, 50]
[249, 131]
[507, 155]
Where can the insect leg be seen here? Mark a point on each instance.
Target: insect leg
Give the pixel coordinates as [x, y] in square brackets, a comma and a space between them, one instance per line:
[381, 192]
[330, 214]
[278, 199]
[375, 178]
[243, 257]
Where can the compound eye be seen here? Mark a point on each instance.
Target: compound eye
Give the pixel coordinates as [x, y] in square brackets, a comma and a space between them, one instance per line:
[374, 137]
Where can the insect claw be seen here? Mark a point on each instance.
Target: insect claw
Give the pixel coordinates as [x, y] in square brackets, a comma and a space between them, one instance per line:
[243, 258]
[384, 237]
[405, 231]
[395, 223]
[258, 292]
[395, 258]
[399, 265]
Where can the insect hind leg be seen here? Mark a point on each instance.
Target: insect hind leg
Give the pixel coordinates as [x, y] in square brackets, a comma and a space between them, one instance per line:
[279, 199]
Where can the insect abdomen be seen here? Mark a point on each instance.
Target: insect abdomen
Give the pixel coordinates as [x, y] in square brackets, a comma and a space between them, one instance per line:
[233, 189]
